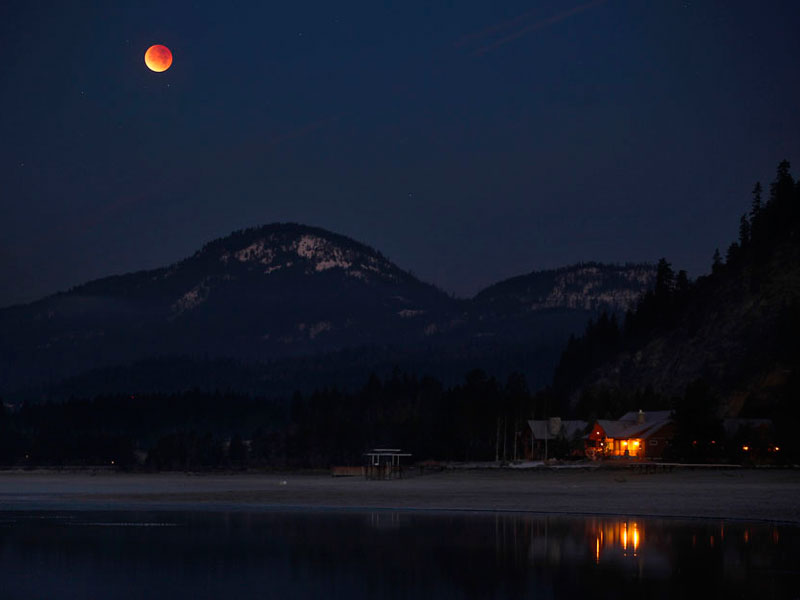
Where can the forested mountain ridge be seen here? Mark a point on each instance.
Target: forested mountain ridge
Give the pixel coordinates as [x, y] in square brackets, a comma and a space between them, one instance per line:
[287, 290]
[277, 290]
[588, 286]
[736, 328]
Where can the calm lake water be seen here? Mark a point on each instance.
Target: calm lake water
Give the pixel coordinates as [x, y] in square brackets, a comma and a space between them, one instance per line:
[389, 554]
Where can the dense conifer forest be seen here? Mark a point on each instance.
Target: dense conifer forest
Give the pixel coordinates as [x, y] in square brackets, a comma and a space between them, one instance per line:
[476, 420]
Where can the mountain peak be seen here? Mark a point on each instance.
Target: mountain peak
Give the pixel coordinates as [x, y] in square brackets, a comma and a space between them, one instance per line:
[280, 246]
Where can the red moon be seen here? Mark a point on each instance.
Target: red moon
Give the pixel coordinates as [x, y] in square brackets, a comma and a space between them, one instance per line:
[158, 58]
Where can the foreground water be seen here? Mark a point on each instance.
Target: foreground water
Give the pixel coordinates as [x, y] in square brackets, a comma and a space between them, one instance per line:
[389, 554]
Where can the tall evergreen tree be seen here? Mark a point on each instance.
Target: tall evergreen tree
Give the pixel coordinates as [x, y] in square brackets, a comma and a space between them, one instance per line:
[665, 279]
[733, 253]
[755, 210]
[682, 283]
[744, 231]
[716, 262]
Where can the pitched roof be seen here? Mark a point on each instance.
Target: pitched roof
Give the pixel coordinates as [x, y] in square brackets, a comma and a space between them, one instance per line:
[628, 425]
[540, 429]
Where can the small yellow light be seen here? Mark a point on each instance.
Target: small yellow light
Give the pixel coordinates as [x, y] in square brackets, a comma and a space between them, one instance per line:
[624, 442]
[745, 448]
[636, 443]
[777, 449]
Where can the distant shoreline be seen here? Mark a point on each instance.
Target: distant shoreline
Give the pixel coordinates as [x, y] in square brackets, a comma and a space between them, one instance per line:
[742, 494]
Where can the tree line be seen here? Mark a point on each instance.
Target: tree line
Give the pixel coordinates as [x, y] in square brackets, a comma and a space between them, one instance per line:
[478, 419]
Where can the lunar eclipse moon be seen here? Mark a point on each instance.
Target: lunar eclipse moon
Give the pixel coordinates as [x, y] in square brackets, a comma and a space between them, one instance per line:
[158, 58]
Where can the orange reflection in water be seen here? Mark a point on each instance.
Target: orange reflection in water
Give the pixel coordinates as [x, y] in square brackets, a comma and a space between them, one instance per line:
[624, 537]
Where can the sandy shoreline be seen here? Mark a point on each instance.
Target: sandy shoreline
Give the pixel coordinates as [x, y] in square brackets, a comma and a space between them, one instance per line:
[743, 494]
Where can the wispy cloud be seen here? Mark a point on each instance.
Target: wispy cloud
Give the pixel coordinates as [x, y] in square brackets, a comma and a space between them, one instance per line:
[513, 29]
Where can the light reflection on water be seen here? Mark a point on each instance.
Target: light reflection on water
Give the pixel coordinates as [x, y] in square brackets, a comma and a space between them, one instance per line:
[390, 554]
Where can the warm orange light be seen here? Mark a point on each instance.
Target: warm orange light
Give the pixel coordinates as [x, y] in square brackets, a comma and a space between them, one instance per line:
[158, 58]
[625, 537]
[635, 538]
[776, 449]
[636, 443]
[597, 550]
[624, 442]
[745, 448]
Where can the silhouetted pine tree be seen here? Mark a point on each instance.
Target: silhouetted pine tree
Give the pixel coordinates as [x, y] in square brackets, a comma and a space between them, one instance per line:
[716, 262]
[744, 231]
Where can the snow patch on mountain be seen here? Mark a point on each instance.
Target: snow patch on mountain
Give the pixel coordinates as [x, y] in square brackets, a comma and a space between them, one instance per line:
[191, 299]
[318, 328]
[316, 253]
[590, 288]
[322, 254]
[258, 251]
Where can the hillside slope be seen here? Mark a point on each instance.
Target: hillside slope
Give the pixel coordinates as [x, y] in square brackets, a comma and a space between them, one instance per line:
[735, 328]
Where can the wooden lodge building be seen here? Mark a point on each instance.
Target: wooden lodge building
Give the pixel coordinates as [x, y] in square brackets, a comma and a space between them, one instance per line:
[636, 434]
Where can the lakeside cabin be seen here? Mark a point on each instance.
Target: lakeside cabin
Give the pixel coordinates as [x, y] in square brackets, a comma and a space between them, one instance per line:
[635, 435]
[546, 432]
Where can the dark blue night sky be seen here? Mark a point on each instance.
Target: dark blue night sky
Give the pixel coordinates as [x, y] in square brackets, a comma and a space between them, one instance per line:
[468, 141]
